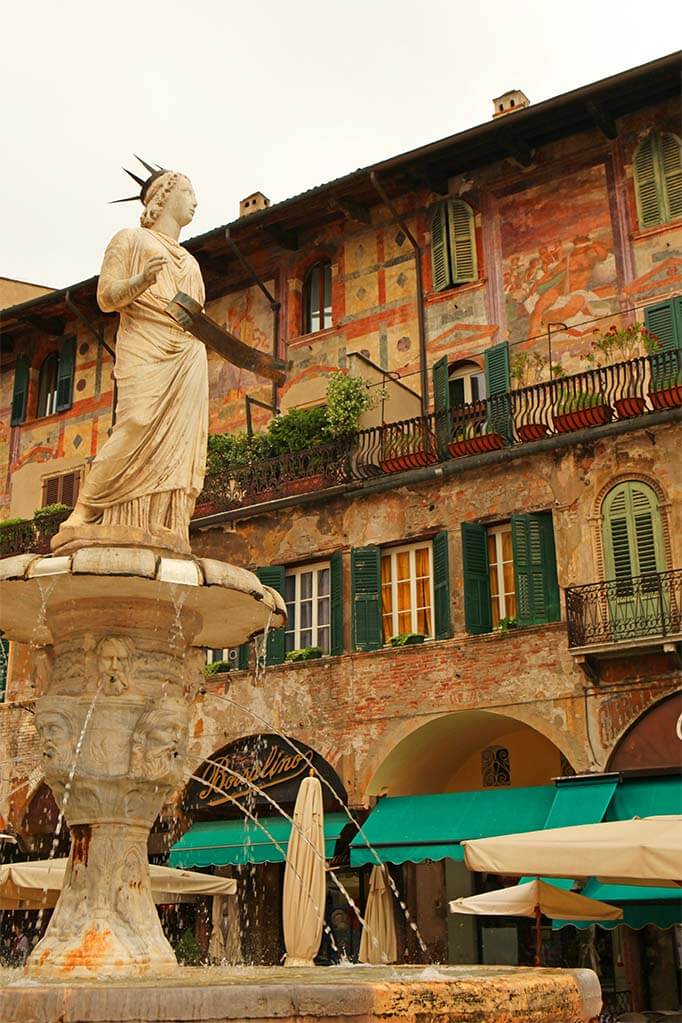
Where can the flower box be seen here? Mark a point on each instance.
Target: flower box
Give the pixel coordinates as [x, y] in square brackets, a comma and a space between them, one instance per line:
[205, 508]
[408, 639]
[667, 397]
[532, 431]
[304, 485]
[583, 415]
[629, 407]
[476, 445]
[410, 460]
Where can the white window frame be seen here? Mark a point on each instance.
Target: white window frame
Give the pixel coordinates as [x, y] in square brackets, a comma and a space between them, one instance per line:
[296, 573]
[411, 548]
[501, 598]
[224, 655]
[465, 374]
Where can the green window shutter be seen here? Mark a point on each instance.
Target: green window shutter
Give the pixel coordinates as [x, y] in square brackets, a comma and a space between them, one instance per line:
[20, 394]
[477, 611]
[365, 569]
[273, 576]
[497, 379]
[462, 233]
[441, 586]
[632, 532]
[67, 365]
[4, 661]
[664, 320]
[336, 586]
[441, 402]
[671, 168]
[440, 269]
[647, 185]
[243, 657]
[535, 579]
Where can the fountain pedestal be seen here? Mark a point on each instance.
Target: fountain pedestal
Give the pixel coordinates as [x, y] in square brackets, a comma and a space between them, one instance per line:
[114, 637]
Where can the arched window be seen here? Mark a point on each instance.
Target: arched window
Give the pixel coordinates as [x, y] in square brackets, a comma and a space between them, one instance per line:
[47, 386]
[317, 298]
[632, 532]
[466, 383]
[453, 245]
[658, 179]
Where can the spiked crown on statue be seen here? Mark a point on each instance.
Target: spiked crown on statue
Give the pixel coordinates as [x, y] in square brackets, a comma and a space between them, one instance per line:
[154, 173]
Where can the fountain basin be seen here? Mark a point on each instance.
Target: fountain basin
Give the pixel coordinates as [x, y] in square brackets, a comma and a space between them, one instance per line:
[358, 994]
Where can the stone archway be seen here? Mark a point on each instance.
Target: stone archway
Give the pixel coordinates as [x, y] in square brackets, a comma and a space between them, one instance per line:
[653, 740]
[446, 755]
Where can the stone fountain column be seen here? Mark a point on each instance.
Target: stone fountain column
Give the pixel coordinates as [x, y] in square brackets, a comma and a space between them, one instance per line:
[116, 660]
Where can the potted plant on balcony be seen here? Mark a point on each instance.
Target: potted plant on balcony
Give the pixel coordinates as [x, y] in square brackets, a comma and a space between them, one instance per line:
[408, 445]
[306, 653]
[528, 372]
[622, 346]
[216, 668]
[475, 438]
[666, 380]
[577, 409]
[47, 521]
[408, 639]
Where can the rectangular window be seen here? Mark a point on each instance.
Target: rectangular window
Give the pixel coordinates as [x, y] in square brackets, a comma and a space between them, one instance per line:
[229, 654]
[501, 573]
[308, 599]
[407, 590]
[61, 489]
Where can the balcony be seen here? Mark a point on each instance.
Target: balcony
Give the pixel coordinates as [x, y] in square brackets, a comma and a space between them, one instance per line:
[23, 535]
[583, 401]
[622, 616]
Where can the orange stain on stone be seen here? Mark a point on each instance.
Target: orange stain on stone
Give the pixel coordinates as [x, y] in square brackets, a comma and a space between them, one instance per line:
[92, 951]
[198, 727]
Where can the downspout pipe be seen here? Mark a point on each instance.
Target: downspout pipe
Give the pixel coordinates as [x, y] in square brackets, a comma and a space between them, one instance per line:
[421, 326]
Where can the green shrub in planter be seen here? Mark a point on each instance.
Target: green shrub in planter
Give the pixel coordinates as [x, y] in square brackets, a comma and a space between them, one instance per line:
[216, 668]
[51, 509]
[8, 523]
[505, 624]
[408, 639]
[307, 653]
[574, 402]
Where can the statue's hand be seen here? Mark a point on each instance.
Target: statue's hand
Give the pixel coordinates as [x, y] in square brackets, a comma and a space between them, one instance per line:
[152, 269]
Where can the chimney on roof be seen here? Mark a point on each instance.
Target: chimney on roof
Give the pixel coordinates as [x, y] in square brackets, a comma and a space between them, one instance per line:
[509, 103]
[253, 204]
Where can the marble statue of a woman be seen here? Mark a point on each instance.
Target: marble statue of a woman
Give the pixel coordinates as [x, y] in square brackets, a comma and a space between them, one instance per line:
[143, 483]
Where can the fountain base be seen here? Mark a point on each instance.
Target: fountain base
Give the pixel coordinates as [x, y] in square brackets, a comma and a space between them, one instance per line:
[452, 994]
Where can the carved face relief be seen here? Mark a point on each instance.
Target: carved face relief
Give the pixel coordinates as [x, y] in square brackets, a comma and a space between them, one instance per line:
[114, 655]
[56, 737]
[159, 742]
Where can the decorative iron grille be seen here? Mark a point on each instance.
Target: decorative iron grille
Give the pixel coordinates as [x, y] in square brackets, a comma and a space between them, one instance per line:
[630, 608]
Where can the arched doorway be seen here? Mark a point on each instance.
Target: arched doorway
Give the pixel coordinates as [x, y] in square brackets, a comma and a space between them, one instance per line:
[654, 741]
[466, 751]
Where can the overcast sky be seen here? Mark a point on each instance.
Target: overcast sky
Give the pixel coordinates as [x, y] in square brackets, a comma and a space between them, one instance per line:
[265, 94]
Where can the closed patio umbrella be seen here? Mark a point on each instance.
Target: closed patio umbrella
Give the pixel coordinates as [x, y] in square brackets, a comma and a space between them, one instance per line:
[535, 899]
[216, 943]
[304, 878]
[646, 852]
[378, 943]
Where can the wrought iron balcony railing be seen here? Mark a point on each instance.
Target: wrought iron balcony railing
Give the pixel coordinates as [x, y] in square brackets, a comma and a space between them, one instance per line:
[30, 534]
[623, 610]
[581, 401]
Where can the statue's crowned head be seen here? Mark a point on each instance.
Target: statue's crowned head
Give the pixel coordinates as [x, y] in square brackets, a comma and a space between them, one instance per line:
[164, 190]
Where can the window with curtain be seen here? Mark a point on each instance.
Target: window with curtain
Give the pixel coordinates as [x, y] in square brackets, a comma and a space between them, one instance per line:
[48, 380]
[317, 298]
[501, 573]
[658, 179]
[308, 599]
[407, 590]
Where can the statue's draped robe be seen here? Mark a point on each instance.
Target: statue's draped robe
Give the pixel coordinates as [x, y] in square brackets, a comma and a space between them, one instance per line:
[150, 470]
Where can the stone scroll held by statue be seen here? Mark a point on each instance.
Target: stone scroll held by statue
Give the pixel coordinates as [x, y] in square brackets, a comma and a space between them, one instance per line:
[144, 481]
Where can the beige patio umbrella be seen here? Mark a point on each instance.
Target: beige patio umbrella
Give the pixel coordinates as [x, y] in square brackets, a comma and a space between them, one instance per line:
[378, 943]
[535, 899]
[646, 851]
[304, 878]
[36, 884]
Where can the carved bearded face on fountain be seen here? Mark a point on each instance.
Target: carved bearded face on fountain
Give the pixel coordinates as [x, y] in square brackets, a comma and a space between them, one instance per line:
[56, 736]
[159, 743]
[114, 655]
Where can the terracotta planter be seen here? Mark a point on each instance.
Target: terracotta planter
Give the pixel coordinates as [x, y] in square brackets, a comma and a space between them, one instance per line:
[476, 445]
[410, 460]
[630, 407]
[667, 397]
[205, 508]
[532, 431]
[306, 485]
[581, 418]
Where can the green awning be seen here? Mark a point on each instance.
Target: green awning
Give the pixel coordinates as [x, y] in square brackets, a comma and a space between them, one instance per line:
[403, 829]
[578, 801]
[641, 905]
[646, 797]
[219, 843]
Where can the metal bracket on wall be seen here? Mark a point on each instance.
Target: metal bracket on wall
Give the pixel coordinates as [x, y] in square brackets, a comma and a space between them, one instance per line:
[248, 402]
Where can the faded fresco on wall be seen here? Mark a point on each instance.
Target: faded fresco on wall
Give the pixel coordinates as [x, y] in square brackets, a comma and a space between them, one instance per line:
[248, 316]
[558, 259]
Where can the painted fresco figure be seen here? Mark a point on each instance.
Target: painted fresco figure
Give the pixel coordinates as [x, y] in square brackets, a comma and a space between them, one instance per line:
[148, 473]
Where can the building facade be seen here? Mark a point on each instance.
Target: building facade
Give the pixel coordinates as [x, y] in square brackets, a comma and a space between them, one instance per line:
[512, 497]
